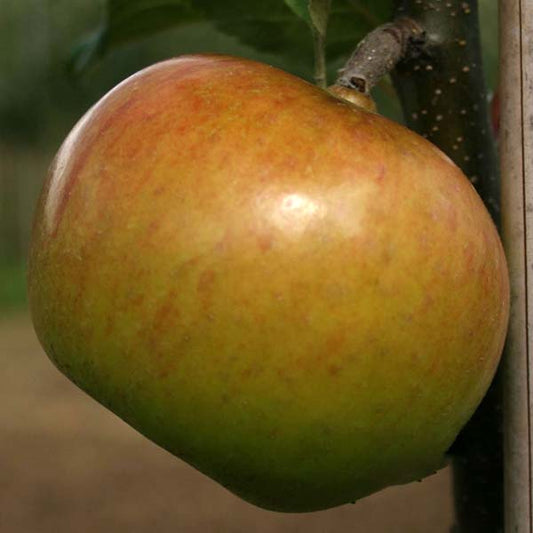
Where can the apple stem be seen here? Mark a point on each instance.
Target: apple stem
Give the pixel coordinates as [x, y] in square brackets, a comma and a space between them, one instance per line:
[379, 52]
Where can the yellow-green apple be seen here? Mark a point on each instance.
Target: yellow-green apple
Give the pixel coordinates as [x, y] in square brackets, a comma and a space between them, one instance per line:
[302, 299]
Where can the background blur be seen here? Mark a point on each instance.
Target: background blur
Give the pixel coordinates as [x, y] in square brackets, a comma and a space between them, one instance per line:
[66, 464]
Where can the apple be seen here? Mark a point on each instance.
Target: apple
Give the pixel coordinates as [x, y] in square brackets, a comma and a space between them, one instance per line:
[300, 298]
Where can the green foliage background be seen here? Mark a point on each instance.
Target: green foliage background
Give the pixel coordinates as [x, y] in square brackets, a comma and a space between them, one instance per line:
[57, 57]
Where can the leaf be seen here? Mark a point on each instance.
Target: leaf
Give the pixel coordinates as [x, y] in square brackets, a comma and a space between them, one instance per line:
[127, 20]
[300, 8]
[270, 26]
[319, 11]
[314, 12]
[86, 52]
[278, 30]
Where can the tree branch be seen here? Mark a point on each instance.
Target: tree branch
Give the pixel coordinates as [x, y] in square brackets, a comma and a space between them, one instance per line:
[444, 98]
[435, 47]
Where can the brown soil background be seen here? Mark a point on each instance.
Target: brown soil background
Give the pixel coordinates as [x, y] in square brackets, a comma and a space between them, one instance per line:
[69, 465]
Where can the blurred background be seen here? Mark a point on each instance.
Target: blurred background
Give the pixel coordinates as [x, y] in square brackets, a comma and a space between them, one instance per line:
[66, 463]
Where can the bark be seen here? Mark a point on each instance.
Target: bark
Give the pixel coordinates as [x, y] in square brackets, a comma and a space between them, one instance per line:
[444, 98]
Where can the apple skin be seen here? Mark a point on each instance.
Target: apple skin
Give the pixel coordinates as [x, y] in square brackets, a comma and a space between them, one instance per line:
[302, 299]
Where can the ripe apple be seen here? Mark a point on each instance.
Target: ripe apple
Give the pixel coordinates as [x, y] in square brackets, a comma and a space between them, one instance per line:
[300, 298]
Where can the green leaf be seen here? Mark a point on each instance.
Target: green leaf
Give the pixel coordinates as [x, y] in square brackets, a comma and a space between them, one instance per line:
[314, 12]
[319, 11]
[131, 19]
[277, 29]
[300, 8]
[128, 20]
[269, 26]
